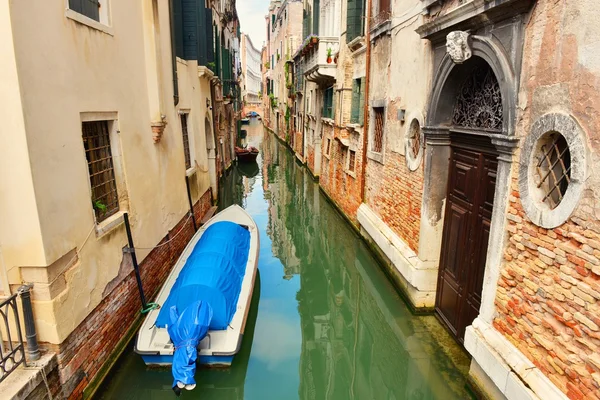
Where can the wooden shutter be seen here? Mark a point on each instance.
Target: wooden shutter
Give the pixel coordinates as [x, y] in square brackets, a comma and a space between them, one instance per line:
[351, 26]
[177, 28]
[361, 103]
[354, 110]
[89, 8]
[190, 29]
[210, 52]
[316, 13]
[203, 43]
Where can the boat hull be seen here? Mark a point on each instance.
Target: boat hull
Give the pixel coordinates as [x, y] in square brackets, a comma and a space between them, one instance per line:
[219, 347]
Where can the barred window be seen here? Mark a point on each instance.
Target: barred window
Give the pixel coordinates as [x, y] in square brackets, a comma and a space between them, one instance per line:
[352, 160]
[96, 141]
[553, 168]
[377, 144]
[186, 141]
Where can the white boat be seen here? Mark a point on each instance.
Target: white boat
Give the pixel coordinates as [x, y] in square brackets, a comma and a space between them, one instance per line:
[218, 347]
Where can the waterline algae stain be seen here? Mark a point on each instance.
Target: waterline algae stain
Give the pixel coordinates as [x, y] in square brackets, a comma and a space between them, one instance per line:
[329, 324]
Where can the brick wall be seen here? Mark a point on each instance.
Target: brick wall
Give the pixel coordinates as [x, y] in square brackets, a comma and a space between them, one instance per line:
[343, 187]
[310, 158]
[90, 345]
[549, 290]
[395, 193]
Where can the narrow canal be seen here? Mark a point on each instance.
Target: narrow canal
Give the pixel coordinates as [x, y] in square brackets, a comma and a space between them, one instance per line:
[325, 323]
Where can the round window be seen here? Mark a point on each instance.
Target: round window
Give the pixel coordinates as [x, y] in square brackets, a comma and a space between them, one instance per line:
[552, 169]
[414, 145]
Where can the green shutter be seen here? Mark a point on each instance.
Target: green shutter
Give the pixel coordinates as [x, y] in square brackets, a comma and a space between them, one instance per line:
[316, 10]
[354, 19]
[361, 103]
[210, 51]
[354, 110]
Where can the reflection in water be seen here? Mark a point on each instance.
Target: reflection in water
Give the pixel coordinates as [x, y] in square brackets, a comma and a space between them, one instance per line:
[330, 325]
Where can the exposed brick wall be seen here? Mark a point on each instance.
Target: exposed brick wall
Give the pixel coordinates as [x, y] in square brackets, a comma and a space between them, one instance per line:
[90, 345]
[549, 289]
[310, 158]
[395, 193]
[343, 188]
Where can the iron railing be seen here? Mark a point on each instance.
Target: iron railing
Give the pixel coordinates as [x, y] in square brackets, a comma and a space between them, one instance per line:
[12, 349]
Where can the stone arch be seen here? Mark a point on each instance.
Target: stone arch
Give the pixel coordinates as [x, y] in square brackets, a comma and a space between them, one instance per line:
[448, 79]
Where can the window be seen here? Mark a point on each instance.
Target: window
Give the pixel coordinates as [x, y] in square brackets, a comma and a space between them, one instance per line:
[186, 141]
[413, 145]
[553, 168]
[351, 160]
[355, 19]
[328, 146]
[328, 103]
[377, 143]
[383, 12]
[98, 153]
[358, 101]
[95, 10]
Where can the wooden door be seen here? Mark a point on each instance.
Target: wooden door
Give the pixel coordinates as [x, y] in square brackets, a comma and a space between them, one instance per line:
[470, 201]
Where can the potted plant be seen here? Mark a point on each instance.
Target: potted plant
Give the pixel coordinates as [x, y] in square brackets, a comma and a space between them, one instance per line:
[314, 39]
[329, 55]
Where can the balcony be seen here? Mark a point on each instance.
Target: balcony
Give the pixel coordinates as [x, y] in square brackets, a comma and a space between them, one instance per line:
[319, 61]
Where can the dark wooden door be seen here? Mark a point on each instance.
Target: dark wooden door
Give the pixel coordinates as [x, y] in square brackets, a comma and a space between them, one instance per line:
[470, 201]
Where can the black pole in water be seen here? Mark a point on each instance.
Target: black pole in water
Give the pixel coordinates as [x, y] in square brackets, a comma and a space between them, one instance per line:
[187, 184]
[131, 251]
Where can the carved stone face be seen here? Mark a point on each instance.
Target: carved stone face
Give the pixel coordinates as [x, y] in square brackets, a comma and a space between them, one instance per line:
[457, 46]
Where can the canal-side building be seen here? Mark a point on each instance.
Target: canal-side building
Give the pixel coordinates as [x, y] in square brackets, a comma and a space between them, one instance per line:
[107, 111]
[479, 186]
[284, 25]
[251, 72]
[340, 61]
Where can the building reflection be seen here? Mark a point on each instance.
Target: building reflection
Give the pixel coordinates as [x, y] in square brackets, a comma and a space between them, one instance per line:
[359, 340]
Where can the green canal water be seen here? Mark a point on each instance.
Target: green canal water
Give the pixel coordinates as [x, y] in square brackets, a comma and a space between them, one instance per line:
[325, 322]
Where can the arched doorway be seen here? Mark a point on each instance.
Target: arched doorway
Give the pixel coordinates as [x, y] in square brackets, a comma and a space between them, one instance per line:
[211, 153]
[467, 177]
[470, 196]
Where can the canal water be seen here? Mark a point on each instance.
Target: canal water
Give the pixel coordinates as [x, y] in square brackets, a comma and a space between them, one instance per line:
[325, 322]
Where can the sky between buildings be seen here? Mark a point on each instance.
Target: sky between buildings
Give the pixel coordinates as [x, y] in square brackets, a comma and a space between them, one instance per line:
[252, 19]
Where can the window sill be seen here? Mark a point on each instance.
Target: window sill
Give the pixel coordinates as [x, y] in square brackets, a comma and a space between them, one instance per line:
[353, 127]
[380, 29]
[190, 171]
[357, 43]
[82, 19]
[327, 121]
[351, 173]
[110, 224]
[375, 156]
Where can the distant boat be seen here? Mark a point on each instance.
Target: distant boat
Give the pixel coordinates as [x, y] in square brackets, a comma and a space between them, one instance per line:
[205, 300]
[247, 154]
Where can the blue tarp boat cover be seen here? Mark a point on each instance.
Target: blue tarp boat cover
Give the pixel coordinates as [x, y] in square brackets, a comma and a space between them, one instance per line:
[186, 331]
[213, 273]
[205, 294]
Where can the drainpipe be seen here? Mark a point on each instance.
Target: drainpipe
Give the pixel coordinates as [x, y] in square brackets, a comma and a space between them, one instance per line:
[366, 109]
[173, 54]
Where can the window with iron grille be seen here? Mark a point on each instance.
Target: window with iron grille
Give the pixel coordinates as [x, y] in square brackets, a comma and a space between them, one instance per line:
[89, 8]
[96, 141]
[377, 143]
[186, 141]
[553, 167]
[351, 160]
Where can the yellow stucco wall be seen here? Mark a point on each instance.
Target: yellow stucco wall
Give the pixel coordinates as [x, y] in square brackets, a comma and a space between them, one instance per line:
[66, 68]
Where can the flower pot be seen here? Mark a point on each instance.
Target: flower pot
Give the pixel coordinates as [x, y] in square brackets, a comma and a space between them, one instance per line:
[329, 60]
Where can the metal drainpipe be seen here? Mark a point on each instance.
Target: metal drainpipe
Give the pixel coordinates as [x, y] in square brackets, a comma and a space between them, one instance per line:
[173, 54]
[366, 109]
